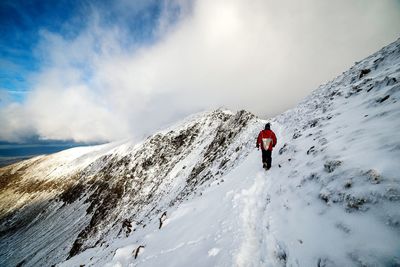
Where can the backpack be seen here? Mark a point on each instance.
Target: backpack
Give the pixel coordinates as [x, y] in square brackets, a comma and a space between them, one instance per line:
[266, 142]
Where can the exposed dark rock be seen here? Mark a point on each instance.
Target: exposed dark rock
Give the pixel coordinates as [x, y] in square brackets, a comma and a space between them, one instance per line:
[391, 81]
[283, 149]
[223, 163]
[20, 264]
[108, 200]
[224, 136]
[313, 123]
[72, 193]
[313, 176]
[383, 99]
[311, 150]
[281, 255]
[76, 248]
[296, 134]
[348, 185]
[364, 72]
[356, 89]
[162, 219]
[179, 141]
[137, 250]
[127, 225]
[324, 197]
[332, 165]
[377, 62]
[98, 189]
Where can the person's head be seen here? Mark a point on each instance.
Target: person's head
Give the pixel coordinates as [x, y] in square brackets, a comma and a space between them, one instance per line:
[267, 126]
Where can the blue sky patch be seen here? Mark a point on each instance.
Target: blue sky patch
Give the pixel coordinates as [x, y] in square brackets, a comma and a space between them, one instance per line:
[22, 21]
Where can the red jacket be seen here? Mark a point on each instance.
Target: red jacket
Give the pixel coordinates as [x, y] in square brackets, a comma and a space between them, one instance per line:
[266, 138]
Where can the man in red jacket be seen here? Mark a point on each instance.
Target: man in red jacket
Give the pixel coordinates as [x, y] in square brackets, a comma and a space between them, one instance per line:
[267, 140]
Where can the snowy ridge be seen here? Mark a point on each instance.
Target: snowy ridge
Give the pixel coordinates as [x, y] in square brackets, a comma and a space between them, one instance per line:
[126, 184]
[330, 199]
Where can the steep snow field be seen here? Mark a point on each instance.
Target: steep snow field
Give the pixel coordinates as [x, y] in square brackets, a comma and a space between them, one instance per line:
[332, 197]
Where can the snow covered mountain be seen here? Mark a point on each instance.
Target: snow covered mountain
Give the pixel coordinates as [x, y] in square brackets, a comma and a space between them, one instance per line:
[196, 194]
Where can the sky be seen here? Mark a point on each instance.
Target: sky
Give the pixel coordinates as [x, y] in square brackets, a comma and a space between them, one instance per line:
[98, 71]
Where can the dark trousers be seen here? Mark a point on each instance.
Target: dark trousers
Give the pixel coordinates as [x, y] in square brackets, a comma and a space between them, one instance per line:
[266, 158]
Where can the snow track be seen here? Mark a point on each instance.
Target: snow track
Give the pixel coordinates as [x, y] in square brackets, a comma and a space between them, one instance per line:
[253, 208]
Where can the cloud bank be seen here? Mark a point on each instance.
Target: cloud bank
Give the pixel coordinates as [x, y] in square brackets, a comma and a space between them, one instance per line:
[261, 55]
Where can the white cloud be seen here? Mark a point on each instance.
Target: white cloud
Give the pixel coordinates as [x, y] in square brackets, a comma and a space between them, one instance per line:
[260, 55]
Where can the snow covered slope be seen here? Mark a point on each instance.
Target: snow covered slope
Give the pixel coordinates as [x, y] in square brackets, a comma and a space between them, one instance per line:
[57, 206]
[196, 195]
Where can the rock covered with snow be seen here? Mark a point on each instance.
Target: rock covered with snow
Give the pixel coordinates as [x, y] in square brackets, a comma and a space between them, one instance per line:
[91, 193]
